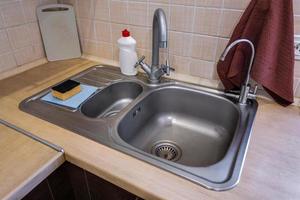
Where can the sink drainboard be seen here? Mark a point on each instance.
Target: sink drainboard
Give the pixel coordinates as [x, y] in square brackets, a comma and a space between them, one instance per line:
[166, 150]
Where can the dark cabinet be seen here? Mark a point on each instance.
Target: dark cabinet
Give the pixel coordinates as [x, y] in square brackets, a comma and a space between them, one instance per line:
[72, 182]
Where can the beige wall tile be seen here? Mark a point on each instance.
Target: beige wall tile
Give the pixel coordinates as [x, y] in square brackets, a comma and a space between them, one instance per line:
[296, 5]
[84, 27]
[7, 62]
[29, 7]
[4, 43]
[19, 36]
[12, 14]
[116, 53]
[207, 25]
[137, 12]
[137, 0]
[180, 43]
[103, 31]
[85, 8]
[183, 2]
[71, 2]
[209, 3]
[297, 69]
[159, 1]
[38, 52]
[297, 91]
[28, 54]
[236, 4]
[182, 18]
[180, 64]
[102, 10]
[146, 53]
[105, 50]
[229, 19]
[119, 11]
[87, 29]
[44, 2]
[35, 33]
[204, 47]
[89, 47]
[215, 75]
[203, 69]
[142, 35]
[297, 24]
[1, 20]
[296, 83]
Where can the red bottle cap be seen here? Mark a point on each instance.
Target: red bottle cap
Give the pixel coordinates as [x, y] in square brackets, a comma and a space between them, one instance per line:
[125, 33]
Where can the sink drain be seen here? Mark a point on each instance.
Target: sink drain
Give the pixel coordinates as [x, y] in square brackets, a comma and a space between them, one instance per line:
[166, 150]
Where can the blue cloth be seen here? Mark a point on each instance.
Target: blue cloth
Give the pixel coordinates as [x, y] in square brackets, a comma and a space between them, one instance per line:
[74, 101]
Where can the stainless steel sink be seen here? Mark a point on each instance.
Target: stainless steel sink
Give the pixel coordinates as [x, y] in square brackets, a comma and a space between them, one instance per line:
[196, 132]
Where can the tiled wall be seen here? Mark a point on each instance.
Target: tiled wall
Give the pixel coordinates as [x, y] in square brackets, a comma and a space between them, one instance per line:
[199, 30]
[20, 40]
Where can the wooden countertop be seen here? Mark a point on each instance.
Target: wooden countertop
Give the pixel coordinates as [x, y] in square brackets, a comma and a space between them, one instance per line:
[272, 167]
[24, 163]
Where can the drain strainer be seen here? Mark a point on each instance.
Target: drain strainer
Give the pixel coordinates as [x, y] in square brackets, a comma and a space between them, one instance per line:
[166, 150]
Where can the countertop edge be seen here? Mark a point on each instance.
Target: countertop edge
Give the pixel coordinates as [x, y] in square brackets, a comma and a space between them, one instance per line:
[31, 182]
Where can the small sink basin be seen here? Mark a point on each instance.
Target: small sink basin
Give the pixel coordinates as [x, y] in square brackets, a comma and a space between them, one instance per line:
[190, 128]
[111, 100]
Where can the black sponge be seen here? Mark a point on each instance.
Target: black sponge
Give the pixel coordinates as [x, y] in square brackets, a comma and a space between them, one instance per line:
[66, 86]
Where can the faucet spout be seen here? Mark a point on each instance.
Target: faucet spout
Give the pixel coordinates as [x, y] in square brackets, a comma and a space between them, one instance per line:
[245, 89]
[159, 35]
[224, 54]
[159, 40]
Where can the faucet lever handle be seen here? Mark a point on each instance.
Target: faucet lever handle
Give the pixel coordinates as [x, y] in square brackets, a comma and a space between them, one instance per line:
[167, 68]
[254, 91]
[140, 61]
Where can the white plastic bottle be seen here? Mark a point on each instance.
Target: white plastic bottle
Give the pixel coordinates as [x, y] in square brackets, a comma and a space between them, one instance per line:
[127, 54]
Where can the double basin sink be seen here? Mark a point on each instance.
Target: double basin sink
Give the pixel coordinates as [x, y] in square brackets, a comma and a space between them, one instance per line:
[196, 132]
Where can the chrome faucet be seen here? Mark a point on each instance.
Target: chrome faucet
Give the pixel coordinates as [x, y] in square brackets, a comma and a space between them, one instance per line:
[159, 40]
[246, 91]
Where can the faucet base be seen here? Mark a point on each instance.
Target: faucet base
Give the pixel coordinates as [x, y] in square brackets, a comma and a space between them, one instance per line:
[151, 81]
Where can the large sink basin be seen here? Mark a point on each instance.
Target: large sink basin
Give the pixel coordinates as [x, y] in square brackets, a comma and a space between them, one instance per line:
[195, 132]
[191, 128]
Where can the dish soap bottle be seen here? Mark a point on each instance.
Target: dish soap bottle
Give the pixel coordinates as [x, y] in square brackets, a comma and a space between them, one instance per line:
[127, 54]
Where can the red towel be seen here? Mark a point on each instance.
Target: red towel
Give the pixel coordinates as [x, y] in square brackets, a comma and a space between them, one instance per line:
[269, 25]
